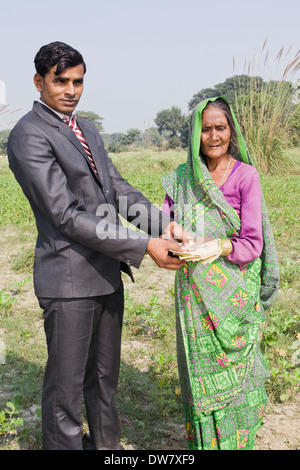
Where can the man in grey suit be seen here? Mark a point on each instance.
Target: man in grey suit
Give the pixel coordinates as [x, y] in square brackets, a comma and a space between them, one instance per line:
[76, 194]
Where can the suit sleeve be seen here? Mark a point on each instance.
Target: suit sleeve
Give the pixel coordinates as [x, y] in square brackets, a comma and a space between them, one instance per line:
[44, 183]
[135, 207]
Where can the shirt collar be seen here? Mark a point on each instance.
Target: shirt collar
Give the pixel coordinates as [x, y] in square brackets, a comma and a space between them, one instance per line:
[61, 115]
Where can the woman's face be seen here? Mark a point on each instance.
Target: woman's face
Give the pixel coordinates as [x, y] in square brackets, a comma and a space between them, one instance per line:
[216, 133]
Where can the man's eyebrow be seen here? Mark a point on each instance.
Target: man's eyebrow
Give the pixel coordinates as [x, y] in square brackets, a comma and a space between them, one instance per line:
[60, 79]
[63, 79]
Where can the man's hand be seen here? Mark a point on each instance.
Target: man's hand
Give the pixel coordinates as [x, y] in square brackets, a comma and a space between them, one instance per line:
[177, 233]
[158, 249]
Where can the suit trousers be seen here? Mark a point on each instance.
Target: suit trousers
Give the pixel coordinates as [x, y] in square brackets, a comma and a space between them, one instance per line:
[84, 347]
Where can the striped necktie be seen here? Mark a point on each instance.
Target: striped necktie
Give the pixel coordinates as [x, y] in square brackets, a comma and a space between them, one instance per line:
[72, 123]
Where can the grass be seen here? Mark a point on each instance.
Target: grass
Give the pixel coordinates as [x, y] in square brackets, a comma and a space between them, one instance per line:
[266, 111]
[14, 208]
[148, 399]
[144, 169]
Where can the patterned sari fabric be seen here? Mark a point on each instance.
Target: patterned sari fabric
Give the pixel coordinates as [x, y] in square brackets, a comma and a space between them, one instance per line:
[220, 312]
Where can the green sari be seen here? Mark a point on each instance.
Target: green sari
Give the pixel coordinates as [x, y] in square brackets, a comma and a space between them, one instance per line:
[220, 311]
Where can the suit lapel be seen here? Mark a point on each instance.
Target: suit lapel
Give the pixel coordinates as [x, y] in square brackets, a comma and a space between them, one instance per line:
[54, 121]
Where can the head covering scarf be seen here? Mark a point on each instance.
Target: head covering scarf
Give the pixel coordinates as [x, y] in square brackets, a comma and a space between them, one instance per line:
[219, 310]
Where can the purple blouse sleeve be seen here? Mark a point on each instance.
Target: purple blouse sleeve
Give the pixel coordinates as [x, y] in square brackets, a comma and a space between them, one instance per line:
[167, 207]
[249, 244]
[246, 197]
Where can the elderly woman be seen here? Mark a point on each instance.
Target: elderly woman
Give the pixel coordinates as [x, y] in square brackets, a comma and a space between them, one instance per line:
[220, 302]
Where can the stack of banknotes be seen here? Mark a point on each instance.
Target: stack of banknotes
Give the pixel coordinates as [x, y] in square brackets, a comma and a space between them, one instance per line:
[203, 252]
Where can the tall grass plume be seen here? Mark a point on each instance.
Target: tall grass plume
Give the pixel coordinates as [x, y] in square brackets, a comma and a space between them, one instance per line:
[267, 109]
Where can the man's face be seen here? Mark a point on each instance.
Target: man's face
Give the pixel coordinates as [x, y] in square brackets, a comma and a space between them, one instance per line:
[61, 92]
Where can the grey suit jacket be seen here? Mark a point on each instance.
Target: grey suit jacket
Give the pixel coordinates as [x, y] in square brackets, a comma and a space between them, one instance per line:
[81, 243]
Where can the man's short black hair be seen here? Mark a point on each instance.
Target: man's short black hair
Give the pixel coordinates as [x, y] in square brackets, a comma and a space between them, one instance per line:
[57, 53]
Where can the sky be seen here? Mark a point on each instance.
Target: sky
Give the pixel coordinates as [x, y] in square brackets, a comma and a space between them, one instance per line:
[142, 56]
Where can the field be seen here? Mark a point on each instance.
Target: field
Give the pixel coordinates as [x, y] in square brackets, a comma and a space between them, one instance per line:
[149, 396]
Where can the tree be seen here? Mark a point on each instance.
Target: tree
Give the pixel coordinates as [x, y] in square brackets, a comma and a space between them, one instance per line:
[237, 85]
[185, 130]
[3, 141]
[131, 136]
[92, 117]
[152, 138]
[201, 95]
[170, 120]
[115, 147]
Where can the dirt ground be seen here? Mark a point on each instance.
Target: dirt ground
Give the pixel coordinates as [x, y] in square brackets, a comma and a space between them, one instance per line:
[281, 429]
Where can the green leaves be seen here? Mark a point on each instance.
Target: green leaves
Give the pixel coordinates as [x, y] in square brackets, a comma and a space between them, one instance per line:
[147, 319]
[8, 421]
[93, 118]
[6, 301]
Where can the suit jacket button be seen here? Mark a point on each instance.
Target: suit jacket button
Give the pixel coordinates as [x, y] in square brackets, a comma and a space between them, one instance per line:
[105, 191]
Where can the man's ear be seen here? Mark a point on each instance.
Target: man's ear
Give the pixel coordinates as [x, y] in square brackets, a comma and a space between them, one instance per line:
[38, 82]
